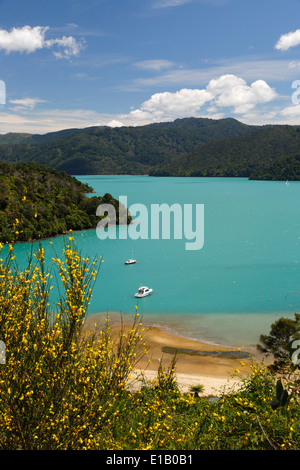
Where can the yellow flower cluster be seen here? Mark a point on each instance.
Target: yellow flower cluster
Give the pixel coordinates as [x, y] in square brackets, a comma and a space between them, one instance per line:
[59, 386]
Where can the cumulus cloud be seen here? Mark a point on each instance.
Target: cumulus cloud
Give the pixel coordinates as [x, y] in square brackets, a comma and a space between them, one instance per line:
[24, 39]
[70, 47]
[232, 91]
[180, 103]
[288, 40]
[30, 39]
[225, 95]
[227, 91]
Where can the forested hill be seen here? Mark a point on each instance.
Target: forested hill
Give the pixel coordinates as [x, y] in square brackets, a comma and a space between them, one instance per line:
[125, 150]
[270, 153]
[38, 202]
[184, 147]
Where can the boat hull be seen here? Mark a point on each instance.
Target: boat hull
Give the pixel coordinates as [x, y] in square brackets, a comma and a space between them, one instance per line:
[145, 294]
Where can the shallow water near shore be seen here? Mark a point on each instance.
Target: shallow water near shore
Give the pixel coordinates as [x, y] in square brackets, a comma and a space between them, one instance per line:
[235, 330]
[245, 277]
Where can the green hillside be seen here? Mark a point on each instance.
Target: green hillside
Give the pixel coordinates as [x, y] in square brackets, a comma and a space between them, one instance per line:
[38, 202]
[286, 168]
[184, 147]
[125, 150]
[260, 155]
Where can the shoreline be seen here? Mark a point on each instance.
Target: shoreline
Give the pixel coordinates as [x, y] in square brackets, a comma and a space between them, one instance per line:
[197, 362]
[229, 329]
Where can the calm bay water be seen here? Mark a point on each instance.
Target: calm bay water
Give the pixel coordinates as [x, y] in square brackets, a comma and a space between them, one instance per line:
[246, 275]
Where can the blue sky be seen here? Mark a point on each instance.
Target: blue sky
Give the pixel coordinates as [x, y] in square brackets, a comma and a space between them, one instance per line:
[74, 63]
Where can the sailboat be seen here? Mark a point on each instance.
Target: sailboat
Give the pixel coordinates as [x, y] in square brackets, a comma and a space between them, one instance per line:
[131, 260]
[286, 183]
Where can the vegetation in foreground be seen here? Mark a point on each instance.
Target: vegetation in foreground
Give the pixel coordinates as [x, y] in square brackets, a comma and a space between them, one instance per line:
[63, 389]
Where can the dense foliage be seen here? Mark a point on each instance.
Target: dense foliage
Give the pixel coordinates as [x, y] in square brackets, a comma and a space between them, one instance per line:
[269, 153]
[285, 168]
[38, 202]
[185, 147]
[63, 389]
[125, 150]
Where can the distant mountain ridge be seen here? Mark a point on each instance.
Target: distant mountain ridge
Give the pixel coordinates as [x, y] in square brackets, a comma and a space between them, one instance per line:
[12, 138]
[184, 147]
[225, 124]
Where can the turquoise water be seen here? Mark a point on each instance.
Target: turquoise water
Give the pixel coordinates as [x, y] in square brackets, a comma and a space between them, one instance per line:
[246, 275]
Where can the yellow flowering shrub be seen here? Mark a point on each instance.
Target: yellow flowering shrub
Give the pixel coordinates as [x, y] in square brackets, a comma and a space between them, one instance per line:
[58, 387]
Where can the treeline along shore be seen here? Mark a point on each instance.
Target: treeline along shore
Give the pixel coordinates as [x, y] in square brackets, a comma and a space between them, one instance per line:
[38, 202]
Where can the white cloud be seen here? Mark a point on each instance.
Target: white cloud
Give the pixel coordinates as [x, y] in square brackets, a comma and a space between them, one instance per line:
[69, 45]
[26, 103]
[156, 65]
[227, 91]
[224, 96]
[30, 39]
[291, 113]
[170, 3]
[288, 40]
[115, 123]
[39, 121]
[181, 103]
[280, 70]
[176, 3]
[24, 39]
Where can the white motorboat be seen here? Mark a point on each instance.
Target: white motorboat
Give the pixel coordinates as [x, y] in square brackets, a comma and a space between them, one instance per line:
[143, 291]
[130, 261]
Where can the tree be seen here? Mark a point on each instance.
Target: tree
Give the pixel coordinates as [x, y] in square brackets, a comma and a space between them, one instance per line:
[283, 332]
[196, 389]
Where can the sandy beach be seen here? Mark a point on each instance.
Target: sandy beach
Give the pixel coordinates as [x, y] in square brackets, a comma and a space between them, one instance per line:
[213, 366]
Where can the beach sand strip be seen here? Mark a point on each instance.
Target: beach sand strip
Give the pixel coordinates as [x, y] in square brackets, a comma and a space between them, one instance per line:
[216, 367]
